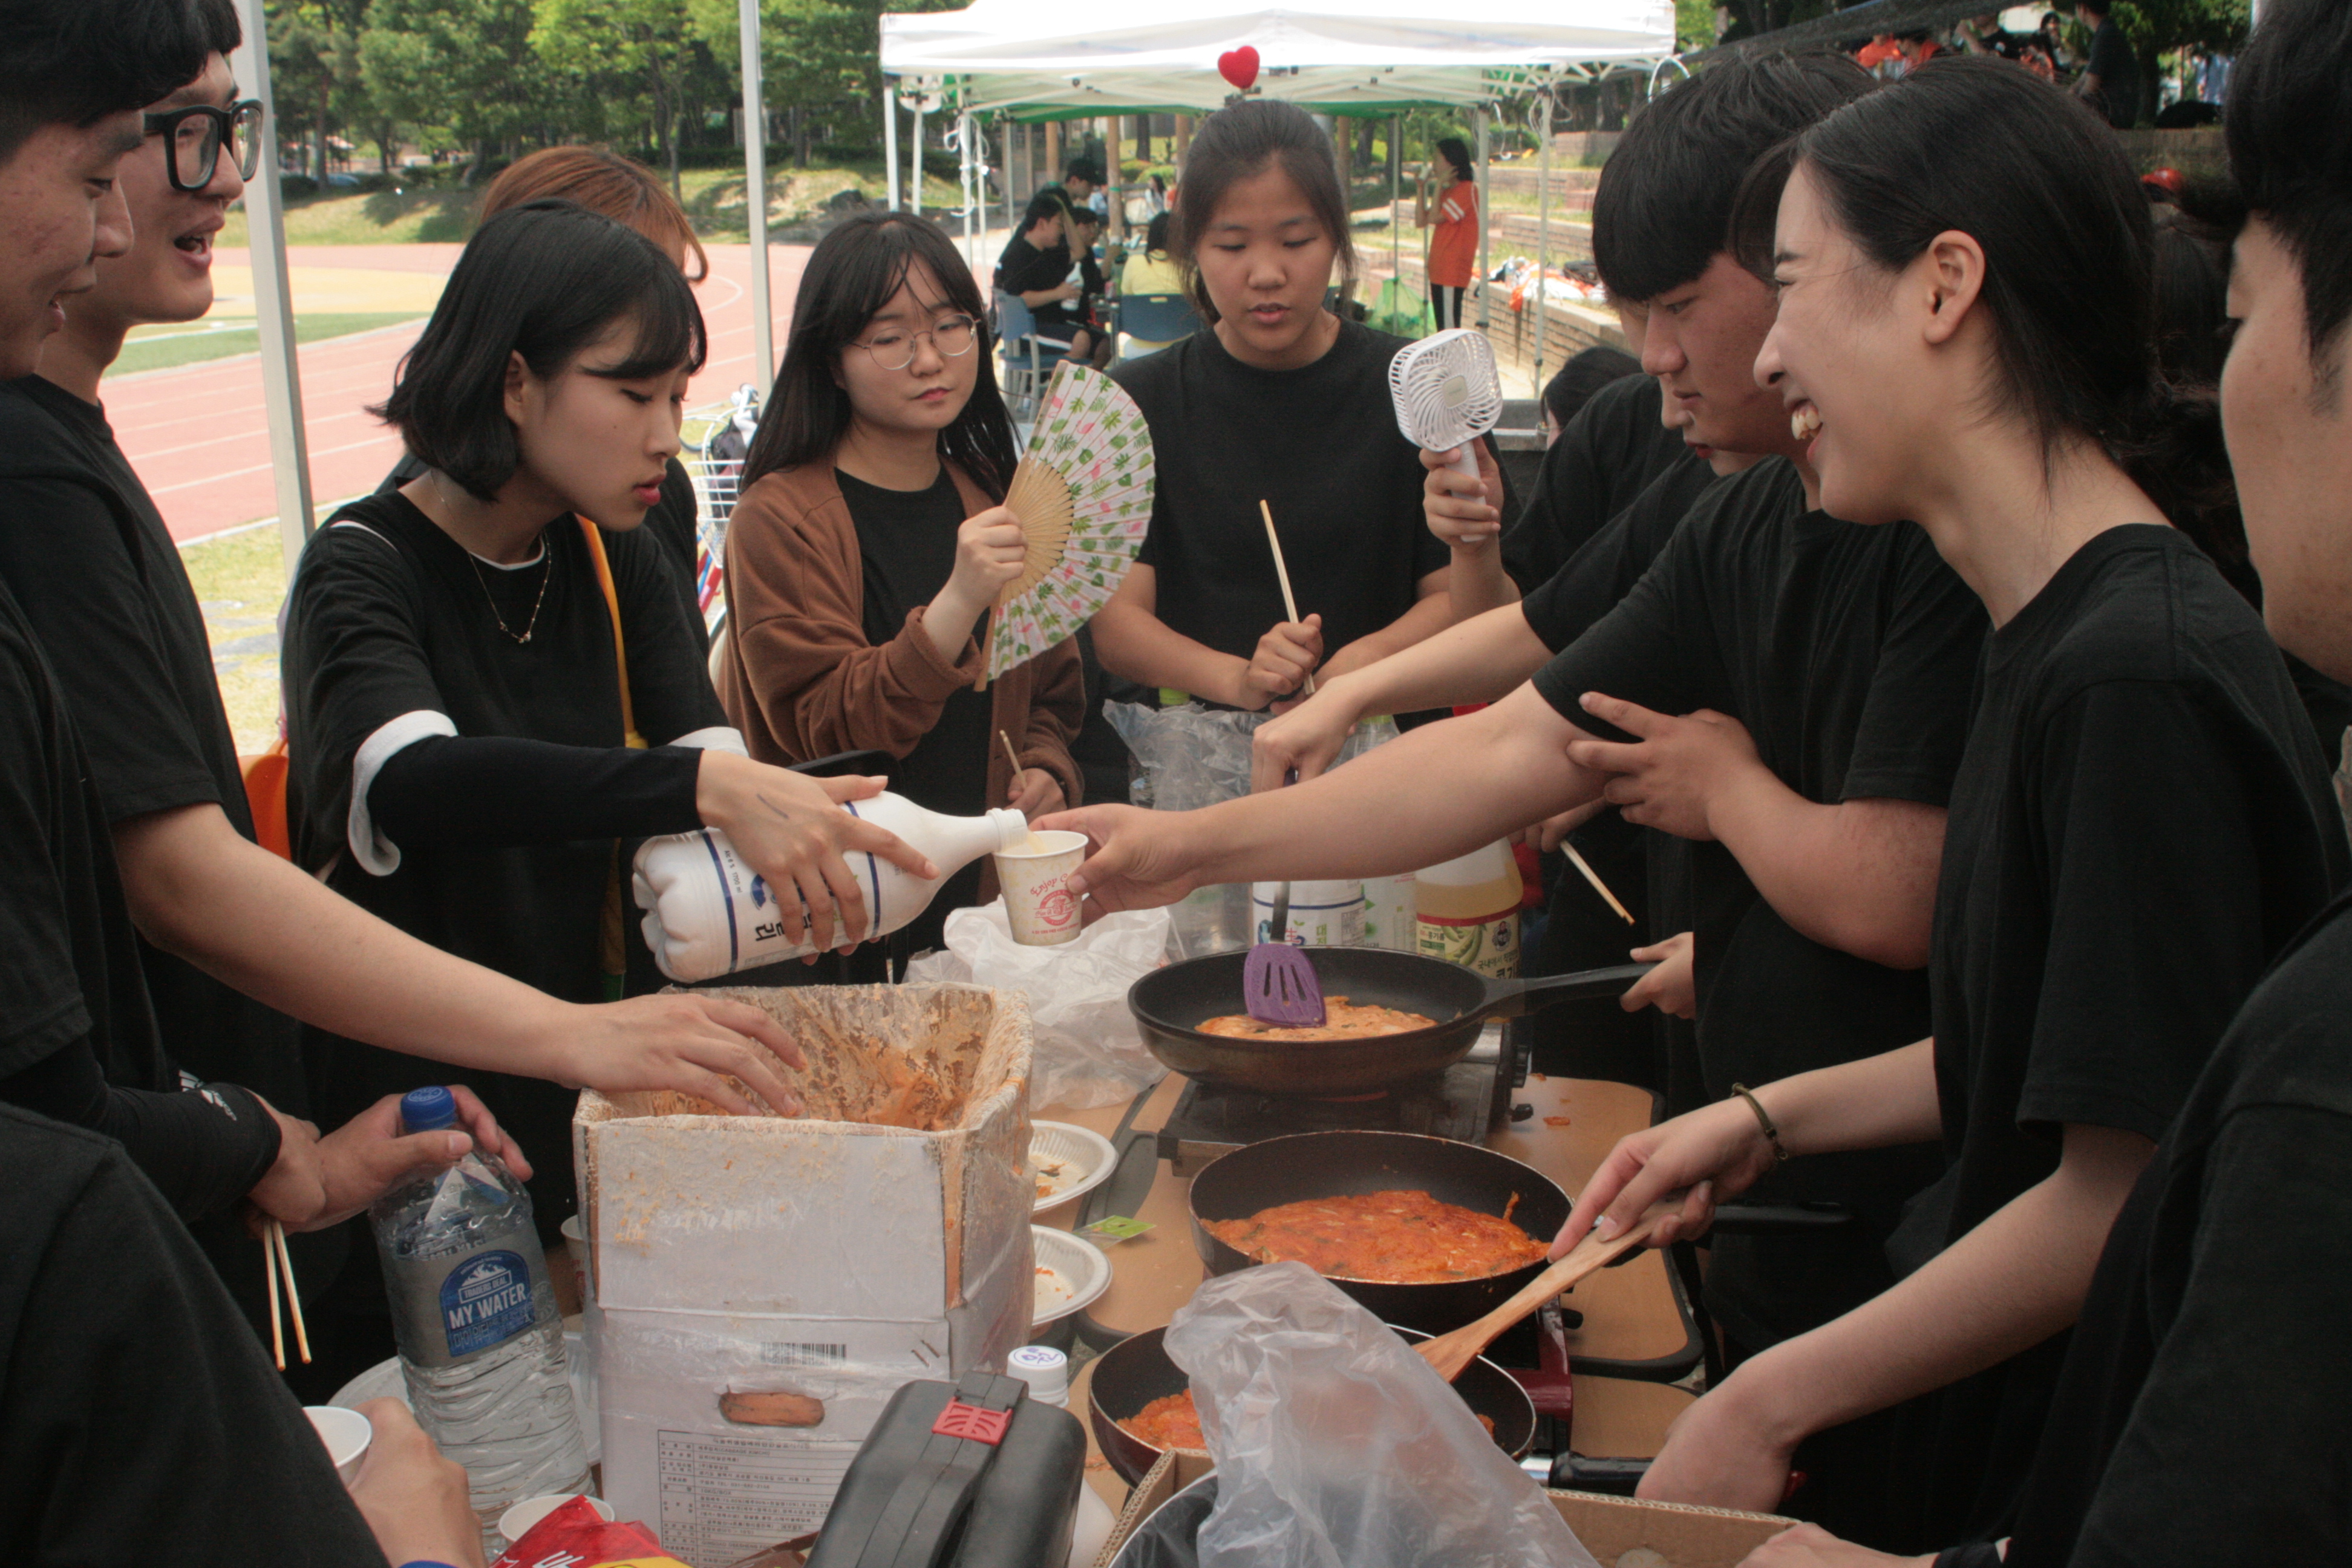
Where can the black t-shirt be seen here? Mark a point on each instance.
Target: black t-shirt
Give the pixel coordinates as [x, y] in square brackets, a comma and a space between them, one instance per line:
[1611, 451]
[1847, 652]
[2200, 1418]
[97, 575]
[390, 620]
[1023, 269]
[2118, 68]
[2140, 821]
[1320, 445]
[671, 522]
[139, 1420]
[1605, 567]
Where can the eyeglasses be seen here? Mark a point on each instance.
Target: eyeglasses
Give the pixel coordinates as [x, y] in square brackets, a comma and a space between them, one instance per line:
[194, 135]
[894, 349]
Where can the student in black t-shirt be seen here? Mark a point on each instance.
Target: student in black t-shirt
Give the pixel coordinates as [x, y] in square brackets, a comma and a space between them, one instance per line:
[1280, 404]
[2110, 79]
[624, 190]
[1035, 268]
[1573, 384]
[465, 755]
[869, 544]
[2202, 1416]
[222, 921]
[2138, 822]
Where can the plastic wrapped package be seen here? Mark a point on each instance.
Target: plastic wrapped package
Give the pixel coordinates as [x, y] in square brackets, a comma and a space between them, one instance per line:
[1194, 756]
[1088, 1051]
[763, 1284]
[1336, 1447]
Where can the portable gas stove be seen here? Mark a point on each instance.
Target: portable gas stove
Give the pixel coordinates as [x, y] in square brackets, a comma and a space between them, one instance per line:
[1465, 1102]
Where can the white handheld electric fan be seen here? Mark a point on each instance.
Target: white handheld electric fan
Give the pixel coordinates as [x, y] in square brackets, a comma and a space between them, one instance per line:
[1447, 393]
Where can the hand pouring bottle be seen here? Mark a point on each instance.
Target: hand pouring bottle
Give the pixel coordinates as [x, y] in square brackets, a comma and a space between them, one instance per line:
[481, 1346]
[709, 913]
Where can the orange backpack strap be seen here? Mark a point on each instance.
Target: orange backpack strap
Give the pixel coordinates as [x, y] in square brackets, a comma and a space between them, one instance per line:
[265, 795]
[595, 538]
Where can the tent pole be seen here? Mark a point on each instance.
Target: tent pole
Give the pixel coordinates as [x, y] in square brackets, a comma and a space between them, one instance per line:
[968, 174]
[1486, 220]
[915, 174]
[1543, 229]
[273, 302]
[755, 191]
[1396, 201]
[890, 147]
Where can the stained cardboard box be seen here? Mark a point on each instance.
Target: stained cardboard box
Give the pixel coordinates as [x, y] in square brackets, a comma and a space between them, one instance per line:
[762, 1285]
[1620, 1533]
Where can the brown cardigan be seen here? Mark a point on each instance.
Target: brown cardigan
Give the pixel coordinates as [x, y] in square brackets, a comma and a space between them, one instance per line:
[799, 678]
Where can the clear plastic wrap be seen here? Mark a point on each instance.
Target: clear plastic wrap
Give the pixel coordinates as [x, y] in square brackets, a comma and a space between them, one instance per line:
[1336, 1447]
[1087, 1050]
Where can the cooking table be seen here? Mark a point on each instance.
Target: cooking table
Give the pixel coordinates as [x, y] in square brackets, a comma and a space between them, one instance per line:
[1636, 1333]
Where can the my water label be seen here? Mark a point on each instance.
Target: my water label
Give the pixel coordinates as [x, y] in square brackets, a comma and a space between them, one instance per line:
[485, 1301]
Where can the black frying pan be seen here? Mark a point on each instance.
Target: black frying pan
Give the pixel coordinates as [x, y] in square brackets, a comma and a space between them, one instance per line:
[1170, 1003]
[1342, 1164]
[1137, 1371]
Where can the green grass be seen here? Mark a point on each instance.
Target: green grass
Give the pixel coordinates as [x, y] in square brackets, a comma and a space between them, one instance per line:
[218, 338]
[240, 581]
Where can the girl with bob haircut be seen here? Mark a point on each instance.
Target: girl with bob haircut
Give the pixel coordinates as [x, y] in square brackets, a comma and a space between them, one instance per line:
[867, 545]
[1280, 403]
[464, 753]
[1446, 201]
[1966, 336]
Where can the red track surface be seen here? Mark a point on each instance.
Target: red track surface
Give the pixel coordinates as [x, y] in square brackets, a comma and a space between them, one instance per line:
[199, 437]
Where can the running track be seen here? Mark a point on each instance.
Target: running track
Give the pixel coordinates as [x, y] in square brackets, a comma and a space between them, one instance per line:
[199, 437]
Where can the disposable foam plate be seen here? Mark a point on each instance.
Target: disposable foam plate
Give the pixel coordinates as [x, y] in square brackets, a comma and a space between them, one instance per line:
[1081, 1263]
[1090, 1155]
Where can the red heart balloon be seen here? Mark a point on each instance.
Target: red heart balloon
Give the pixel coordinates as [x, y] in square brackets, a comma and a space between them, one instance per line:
[1239, 67]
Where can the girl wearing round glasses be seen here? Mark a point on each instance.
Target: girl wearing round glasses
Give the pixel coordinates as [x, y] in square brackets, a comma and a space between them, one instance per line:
[866, 546]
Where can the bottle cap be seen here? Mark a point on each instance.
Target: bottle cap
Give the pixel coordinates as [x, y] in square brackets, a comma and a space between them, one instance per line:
[427, 1109]
[1045, 1370]
[1011, 827]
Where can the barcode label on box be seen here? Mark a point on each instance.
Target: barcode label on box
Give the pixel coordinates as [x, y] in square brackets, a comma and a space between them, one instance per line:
[774, 1355]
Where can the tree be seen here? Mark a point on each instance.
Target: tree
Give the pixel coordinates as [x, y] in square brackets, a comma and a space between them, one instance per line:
[462, 71]
[814, 54]
[641, 54]
[2158, 27]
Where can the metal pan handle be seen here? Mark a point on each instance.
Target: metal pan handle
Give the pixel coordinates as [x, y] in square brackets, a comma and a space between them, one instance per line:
[1511, 998]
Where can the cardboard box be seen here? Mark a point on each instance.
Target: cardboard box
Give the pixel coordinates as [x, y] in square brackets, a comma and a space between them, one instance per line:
[763, 1286]
[1613, 1529]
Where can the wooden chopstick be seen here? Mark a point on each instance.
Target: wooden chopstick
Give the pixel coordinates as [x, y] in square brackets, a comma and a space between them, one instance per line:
[278, 1257]
[1593, 876]
[1010, 754]
[1289, 604]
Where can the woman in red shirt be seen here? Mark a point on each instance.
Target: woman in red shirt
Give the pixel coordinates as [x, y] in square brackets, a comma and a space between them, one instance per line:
[1454, 248]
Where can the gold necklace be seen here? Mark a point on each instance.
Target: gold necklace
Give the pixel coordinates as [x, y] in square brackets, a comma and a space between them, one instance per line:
[546, 574]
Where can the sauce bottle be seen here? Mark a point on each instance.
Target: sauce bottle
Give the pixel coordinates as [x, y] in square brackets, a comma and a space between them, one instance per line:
[1466, 910]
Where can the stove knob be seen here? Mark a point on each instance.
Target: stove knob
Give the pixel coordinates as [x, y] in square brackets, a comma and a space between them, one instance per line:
[1522, 1110]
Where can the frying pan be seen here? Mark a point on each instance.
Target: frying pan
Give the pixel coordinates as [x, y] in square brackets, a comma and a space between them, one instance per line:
[1170, 1003]
[1137, 1371]
[1343, 1164]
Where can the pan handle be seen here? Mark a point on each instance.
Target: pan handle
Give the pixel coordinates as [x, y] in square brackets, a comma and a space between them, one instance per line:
[1511, 998]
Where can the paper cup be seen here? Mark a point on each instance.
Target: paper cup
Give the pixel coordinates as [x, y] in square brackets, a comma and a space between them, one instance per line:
[516, 1522]
[1035, 876]
[575, 1249]
[346, 1434]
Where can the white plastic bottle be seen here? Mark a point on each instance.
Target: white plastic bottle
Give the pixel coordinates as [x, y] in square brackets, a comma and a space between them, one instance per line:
[708, 913]
[1468, 910]
[481, 1348]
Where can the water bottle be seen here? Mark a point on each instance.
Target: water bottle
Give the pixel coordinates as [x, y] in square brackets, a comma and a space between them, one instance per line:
[481, 1345]
[709, 913]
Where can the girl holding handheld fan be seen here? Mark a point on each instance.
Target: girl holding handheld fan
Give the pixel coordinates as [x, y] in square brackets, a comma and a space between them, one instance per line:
[868, 545]
[1280, 403]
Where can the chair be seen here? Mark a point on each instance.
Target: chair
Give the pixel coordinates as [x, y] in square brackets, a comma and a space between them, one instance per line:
[1029, 360]
[1150, 322]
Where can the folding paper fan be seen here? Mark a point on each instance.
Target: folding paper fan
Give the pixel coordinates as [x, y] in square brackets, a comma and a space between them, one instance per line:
[1083, 493]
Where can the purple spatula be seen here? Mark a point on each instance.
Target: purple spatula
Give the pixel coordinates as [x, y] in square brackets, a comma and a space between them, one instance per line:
[1278, 985]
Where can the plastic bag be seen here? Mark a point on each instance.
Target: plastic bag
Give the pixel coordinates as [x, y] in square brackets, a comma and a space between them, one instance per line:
[1088, 1051]
[1194, 756]
[573, 1536]
[1336, 1447]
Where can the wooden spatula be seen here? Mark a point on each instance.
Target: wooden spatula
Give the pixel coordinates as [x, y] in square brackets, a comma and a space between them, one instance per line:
[1449, 1354]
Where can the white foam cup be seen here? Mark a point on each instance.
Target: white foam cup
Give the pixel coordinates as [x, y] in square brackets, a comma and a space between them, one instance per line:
[516, 1522]
[346, 1434]
[1036, 876]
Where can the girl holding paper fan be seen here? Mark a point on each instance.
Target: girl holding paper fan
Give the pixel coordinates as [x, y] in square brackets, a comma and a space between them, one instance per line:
[1280, 404]
[869, 544]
